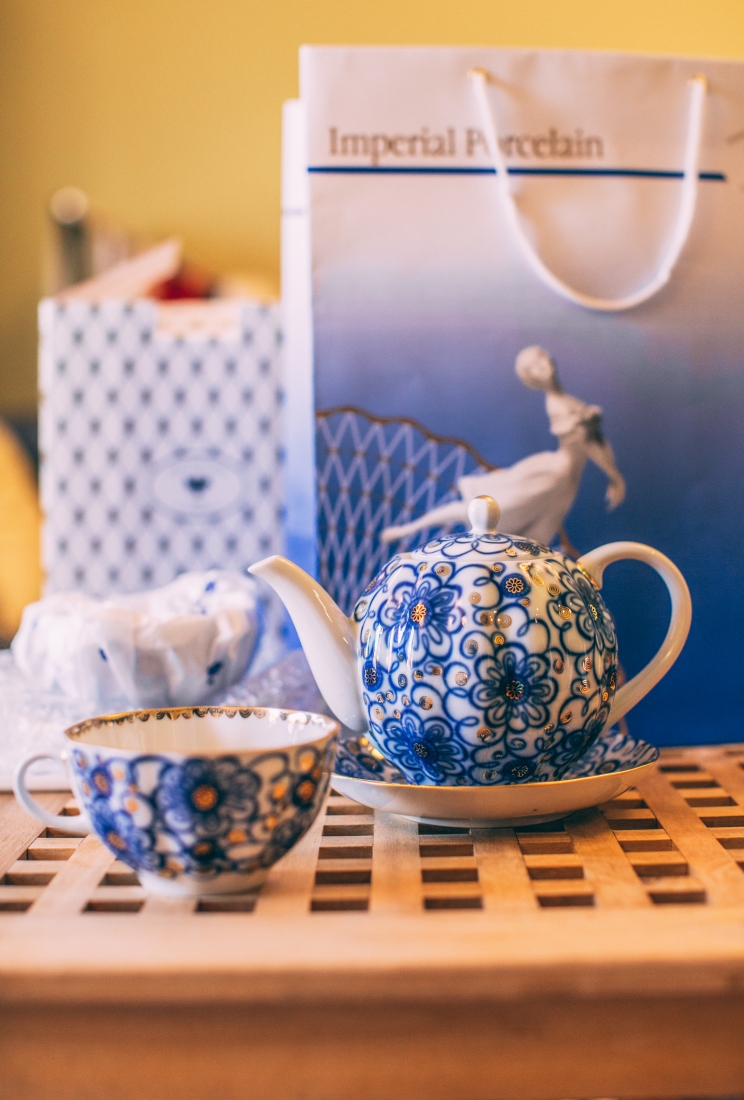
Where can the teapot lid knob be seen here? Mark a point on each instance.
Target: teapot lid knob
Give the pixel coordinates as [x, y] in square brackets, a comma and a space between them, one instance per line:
[484, 514]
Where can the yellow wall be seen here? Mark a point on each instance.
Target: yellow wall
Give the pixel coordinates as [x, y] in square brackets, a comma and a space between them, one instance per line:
[167, 111]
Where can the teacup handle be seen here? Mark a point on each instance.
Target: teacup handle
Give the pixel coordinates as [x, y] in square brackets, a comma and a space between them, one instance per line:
[79, 825]
[594, 563]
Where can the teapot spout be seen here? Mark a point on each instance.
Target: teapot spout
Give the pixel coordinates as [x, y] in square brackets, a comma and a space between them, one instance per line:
[327, 637]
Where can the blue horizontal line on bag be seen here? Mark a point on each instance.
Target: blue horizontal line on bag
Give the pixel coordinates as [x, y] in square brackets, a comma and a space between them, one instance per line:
[410, 170]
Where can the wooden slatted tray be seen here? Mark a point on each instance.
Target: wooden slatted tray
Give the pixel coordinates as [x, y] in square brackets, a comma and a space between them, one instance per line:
[637, 901]
[678, 839]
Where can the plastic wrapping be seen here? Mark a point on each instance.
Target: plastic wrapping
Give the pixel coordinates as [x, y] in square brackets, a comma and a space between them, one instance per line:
[179, 645]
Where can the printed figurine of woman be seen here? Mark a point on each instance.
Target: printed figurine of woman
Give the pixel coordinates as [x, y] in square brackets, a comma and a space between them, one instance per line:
[536, 493]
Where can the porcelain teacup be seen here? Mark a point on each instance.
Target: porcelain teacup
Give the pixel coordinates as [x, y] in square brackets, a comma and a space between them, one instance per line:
[197, 800]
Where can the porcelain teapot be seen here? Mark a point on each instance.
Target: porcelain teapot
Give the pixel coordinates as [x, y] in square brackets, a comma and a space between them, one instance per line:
[481, 658]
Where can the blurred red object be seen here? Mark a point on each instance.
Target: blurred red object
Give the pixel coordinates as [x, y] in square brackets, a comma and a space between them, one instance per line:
[189, 282]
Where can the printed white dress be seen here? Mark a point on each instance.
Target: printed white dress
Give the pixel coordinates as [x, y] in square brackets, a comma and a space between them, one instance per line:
[536, 493]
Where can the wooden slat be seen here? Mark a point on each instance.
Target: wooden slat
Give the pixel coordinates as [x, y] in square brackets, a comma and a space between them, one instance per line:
[692, 780]
[452, 890]
[32, 872]
[340, 890]
[118, 893]
[445, 845]
[348, 826]
[453, 869]
[159, 905]
[116, 899]
[345, 847]
[717, 816]
[561, 865]
[544, 843]
[564, 891]
[18, 829]
[504, 880]
[53, 847]
[729, 836]
[289, 885]
[629, 819]
[450, 860]
[396, 866]
[628, 800]
[120, 874]
[657, 864]
[730, 774]
[352, 896]
[65, 834]
[77, 878]
[346, 807]
[606, 865]
[18, 898]
[674, 891]
[643, 840]
[710, 862]
[226, 903]
[713, 796]
[343, 870]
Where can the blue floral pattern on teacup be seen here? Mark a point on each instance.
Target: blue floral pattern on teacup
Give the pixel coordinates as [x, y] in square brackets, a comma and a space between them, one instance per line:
[174, 814]
[485, 659]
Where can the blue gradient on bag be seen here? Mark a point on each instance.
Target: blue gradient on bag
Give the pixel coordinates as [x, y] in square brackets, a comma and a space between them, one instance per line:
[674, 422]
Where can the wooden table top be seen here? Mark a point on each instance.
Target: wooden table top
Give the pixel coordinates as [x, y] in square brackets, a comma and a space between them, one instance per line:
[643, 894]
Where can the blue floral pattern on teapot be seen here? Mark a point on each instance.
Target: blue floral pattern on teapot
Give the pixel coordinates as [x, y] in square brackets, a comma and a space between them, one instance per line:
[485, 659]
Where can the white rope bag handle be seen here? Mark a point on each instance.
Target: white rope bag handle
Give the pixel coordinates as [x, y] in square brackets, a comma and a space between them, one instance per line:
[480, 78]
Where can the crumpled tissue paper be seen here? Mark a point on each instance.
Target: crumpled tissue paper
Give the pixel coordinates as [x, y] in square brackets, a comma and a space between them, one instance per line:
[180, 645]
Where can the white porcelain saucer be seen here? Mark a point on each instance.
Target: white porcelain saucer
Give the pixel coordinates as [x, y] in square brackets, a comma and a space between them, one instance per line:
[612, 765]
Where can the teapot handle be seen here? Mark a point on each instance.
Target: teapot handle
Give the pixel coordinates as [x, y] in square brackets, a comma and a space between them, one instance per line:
[594, 563]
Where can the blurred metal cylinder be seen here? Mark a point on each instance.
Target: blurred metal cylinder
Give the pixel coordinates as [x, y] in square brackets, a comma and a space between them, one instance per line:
[69, 208]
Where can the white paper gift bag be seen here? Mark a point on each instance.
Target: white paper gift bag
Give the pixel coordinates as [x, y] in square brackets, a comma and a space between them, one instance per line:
[468, 203]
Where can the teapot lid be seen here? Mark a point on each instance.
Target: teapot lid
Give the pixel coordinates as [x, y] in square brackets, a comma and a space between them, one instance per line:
[482, 541]
[484, 515]
[483, 537]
